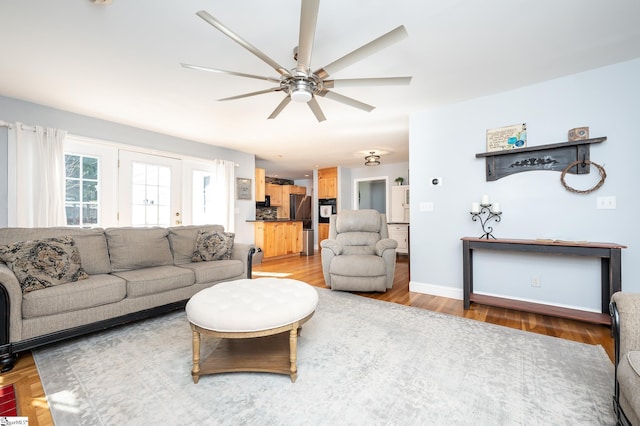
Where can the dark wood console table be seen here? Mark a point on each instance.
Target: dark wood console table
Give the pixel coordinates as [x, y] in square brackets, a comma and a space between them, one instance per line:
[611, 275]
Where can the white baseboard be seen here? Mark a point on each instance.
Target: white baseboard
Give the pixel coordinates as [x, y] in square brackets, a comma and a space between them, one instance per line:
[436, 290]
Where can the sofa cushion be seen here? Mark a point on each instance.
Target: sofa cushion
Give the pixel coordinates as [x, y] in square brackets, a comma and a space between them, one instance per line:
[39, 264]
[135, 248]
[634, 362]
[183, 240]
[141, 282]
[97, 290]
[91, 243]
[213, 245]
[206, 272]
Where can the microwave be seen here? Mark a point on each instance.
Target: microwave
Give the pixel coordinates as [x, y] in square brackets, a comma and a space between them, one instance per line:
[265, 203]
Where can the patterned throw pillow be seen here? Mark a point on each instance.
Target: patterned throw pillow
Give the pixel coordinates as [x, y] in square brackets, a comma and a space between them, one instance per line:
[213, 245]
[39, 264]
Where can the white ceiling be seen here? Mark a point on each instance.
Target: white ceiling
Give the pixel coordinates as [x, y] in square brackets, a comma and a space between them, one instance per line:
[121, 63]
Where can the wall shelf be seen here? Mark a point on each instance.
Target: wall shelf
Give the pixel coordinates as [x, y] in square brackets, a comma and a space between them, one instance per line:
[553, 157]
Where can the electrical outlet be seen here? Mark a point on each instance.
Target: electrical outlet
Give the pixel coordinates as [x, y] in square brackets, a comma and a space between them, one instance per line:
[535, 281]
[606, 203]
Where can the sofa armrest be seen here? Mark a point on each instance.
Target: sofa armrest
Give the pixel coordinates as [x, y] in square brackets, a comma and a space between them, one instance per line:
[244, 253]
[627, 307]
[11, 306]
[385, 244]
[334, 245]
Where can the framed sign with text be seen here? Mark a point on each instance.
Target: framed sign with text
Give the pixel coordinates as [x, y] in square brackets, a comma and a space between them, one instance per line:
[243, 188]
[508, 137]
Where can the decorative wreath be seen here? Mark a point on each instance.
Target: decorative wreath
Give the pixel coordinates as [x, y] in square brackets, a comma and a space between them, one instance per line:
[603, 176]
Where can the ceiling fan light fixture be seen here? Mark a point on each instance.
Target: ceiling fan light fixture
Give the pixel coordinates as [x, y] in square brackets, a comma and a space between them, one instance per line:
[301, 91]
[372, 159]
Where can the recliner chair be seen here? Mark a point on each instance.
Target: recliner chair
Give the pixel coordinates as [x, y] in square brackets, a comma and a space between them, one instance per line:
[358, 255]
[625, 319]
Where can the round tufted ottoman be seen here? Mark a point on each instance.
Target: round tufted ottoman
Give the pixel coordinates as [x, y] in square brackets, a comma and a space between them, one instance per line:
[258, 322]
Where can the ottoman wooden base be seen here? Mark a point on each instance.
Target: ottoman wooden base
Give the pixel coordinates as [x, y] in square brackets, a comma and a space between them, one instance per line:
[268, 351]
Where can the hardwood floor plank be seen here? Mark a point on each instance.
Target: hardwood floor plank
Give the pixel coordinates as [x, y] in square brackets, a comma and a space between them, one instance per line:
[32, 402]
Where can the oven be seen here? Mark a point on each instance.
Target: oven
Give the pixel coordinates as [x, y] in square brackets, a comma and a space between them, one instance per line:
[326, 207]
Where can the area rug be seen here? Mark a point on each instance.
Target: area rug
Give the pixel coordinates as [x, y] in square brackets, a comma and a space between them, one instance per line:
[360, 362]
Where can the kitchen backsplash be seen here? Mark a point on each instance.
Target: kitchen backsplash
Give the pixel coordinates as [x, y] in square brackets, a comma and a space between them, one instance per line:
[263, 213]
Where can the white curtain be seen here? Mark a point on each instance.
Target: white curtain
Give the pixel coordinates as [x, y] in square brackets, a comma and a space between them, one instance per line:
[224, 188]
[37, 176]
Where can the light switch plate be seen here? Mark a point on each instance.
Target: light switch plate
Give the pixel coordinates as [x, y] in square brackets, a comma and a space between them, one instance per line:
[606, 203]
[426, 207]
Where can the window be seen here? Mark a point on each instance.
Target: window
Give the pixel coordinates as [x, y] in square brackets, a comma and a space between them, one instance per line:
[151, 195]
[81, 190]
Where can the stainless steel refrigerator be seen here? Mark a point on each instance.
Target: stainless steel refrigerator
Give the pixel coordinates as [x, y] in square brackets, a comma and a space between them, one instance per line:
[300, 209]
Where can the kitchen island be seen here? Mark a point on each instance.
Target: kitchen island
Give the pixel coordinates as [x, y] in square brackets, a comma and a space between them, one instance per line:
[278, 237]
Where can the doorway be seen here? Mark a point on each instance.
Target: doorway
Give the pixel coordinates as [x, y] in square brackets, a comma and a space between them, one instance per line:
[371, 193]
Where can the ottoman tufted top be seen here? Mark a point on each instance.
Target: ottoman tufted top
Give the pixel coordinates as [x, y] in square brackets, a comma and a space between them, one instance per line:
[252, 305]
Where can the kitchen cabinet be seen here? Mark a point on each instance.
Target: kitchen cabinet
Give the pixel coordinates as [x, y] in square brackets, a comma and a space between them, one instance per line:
[275, 192]
[328, 183]
[285, 206]
[399, 204]
[400, 233]
[278, 238]
[260, 190]
[323, 232]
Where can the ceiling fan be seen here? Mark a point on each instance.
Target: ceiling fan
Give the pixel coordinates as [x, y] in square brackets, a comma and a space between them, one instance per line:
[301, 84]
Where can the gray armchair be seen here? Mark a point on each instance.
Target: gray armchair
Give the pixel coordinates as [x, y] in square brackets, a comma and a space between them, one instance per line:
[625, 316]
[358, 255]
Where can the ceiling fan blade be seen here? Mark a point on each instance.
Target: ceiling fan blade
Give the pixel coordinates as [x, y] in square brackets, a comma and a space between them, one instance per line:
[240, 74]
[317, 111]
[357, 82]
[280, 107]
[308, 21]
[362, 52]
[346, 100]
[246, 95]
[242, 42]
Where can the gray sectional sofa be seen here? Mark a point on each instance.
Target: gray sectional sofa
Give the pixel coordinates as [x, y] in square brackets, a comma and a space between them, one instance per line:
[126, 274]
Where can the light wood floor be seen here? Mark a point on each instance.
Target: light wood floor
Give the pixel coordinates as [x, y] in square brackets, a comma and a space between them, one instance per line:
[32, 402]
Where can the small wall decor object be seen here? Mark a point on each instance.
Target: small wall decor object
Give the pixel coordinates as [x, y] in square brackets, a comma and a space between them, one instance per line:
[243, 188]
[484, 211]
[578, 134]
[508, 137]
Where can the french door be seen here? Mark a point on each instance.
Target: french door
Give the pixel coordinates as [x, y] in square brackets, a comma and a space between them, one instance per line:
[149, 190]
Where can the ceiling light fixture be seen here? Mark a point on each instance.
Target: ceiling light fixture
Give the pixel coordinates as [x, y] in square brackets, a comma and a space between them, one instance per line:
[372, 159]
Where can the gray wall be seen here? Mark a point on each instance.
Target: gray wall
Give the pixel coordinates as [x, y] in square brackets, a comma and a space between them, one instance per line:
[443, 142]
[33, 114]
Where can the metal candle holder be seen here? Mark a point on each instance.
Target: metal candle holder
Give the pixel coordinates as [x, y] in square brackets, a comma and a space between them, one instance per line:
[478, 216]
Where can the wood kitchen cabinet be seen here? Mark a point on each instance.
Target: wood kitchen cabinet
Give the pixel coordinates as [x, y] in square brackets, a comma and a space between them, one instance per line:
[323, 232]
[275, 192]
[260, 189]
[284, 211]
[278, 238]
[328, 183]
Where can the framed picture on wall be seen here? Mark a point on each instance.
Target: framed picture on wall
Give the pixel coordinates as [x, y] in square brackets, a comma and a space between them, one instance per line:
[508, 137]
[243, 188]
